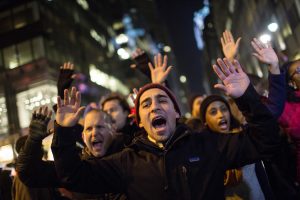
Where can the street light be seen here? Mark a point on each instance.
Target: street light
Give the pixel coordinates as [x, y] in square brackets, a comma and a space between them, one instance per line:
[273, 27]
[265, 38]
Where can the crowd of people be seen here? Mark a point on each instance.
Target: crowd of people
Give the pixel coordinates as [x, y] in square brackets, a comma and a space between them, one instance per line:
[243, 145]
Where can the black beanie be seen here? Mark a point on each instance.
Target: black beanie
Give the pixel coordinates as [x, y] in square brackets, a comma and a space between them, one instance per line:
[151, 86]
[208, 100]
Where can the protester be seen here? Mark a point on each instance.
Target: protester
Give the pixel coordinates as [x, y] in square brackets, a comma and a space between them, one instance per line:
[168, 161]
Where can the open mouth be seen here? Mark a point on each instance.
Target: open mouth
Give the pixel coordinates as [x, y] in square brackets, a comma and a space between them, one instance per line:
[97, 143]
[159, 122]
[223, 124]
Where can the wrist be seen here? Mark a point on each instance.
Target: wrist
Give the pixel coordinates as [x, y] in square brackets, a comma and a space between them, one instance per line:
[274, 68]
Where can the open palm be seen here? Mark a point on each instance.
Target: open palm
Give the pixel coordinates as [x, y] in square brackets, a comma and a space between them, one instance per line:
[160, 71]
[229, 46]
[69, 110]
[235, 81]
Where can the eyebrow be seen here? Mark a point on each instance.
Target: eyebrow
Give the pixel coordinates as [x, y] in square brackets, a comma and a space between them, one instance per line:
[157, 96]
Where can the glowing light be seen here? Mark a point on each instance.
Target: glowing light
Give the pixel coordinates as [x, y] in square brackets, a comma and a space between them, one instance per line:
[6, 153]
[83, 4]
[121, 39]
[123, 54]
[265, 38]
[167, 49]
[182, 79]
[273, 27]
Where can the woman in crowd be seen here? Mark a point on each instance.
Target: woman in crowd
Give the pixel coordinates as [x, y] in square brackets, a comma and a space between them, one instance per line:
[289, 119]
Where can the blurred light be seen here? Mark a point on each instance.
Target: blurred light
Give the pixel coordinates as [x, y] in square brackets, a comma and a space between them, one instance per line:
[182, 79]
[123, 54]
[265, 38]
[6, 153]
[83, 4]
[99, 38]
[121, 39]
[273, 27]
[13, 64]
[188, 115]
[167, 49]
[109, 82]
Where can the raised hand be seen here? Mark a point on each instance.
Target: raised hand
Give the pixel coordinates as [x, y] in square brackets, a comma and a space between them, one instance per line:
[229, 47]
[135, 55]
[39, 122]
[266, 54]
[69, 110]
[233, 77]
[65, 78]
[160, 71]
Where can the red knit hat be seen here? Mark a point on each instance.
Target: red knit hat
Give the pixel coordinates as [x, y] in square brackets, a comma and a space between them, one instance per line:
[151, 86]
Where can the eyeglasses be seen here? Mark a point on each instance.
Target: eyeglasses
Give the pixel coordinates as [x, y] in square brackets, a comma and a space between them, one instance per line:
[297, 71]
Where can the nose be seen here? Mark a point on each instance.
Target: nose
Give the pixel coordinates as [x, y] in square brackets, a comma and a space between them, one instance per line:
[220, 114]
[154, 106]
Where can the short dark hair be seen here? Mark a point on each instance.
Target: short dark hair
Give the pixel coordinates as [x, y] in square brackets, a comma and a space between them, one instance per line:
[116, 96]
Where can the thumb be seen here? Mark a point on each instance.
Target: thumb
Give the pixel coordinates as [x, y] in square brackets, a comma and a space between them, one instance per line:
[221, 87]
[238, 42]
[79, 112]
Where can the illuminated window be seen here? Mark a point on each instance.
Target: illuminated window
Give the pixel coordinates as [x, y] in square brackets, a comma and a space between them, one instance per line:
[107, 81]
[10, 57]
[29, 100]
[3, 116]
[24, 52]
[38, 47]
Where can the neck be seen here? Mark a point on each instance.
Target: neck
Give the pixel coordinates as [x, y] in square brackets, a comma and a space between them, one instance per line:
[159, 144]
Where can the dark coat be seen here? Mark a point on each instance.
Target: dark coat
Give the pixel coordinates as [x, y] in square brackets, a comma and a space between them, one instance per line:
[191, 166]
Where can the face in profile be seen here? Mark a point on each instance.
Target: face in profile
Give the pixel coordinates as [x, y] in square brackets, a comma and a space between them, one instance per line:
[98, 133]
[116, 111]
[157, 114]
[294, 73]
[217, 117]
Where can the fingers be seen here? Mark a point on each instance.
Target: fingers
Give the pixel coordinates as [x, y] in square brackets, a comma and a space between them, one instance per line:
[59, 103]
[155, 61]
[222, 42]
[229, 66]
[223, 67]
[259, 44]
[73, 96]
[219, 72]
[238, 66]
[135, 91]
[259, 57]
[168, 70]
[159, 60]
[225, 37]
[229, 36]
[150, 66]
[220, 87]
[67, 65]
[255, 46]
[66, 97]
[238, 42]
[79, 112]
[165, 61]
[77, 100]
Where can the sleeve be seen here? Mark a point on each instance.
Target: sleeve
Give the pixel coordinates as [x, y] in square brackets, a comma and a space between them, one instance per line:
[277, 94]
[258, 140]
[32, 170]
[95, 176]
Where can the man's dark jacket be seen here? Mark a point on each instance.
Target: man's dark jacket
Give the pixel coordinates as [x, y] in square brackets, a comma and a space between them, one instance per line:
[191, 166]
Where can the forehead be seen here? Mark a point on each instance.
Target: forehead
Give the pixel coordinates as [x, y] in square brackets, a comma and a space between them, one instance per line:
[94, 117]
[151, 93]
[112, 102]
